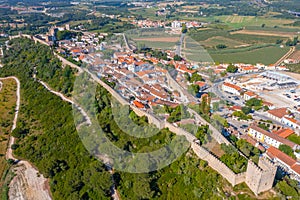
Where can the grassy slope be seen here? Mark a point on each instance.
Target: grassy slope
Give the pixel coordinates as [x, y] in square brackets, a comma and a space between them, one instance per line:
[267, 55]
[7, 105]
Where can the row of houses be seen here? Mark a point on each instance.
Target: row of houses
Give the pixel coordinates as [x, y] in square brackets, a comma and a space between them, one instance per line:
[285, 162]
[284, 115]
[274, 139]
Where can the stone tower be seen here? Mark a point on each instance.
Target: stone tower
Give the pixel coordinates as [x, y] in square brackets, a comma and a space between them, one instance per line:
[260, 178]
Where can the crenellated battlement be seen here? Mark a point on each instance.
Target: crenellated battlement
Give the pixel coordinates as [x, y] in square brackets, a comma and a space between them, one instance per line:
[260, 178]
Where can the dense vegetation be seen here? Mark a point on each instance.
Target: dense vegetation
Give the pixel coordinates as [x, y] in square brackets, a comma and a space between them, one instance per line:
[246, 148]
[52, 143]
[289, 188]
[294, 138]
[176, 114]
[288, 150]
[233, 159]
[39, 60]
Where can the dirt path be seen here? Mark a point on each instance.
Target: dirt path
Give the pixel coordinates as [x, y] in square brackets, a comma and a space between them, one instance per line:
[115, 195]
[88, 120]
[9, 154]
[28, 183]
[290, 52]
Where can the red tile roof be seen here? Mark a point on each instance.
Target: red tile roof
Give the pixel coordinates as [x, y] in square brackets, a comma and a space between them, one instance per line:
[81, 57]
[145, 72]
[296, 167]
[247, 68]
[278, 112]
[232, 86]
[158, 94]
[250, 93]
[284, 133]
[200, 83]
[171, 104]
[273, 136]
[76, 50]
[138, 104]
[236, 108]
[265, 103]
[291, 120]
[147, 87]
[275, 153]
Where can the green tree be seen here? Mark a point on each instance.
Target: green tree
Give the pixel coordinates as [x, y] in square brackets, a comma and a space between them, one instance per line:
[287, 150]
[196, 77]
[254, 102]
[184, 28]
[216, 106]
[246, 110]
[263, 126]
[221, 46]
[231, 68]
[177, 58]
[279, 41]
[193, 89]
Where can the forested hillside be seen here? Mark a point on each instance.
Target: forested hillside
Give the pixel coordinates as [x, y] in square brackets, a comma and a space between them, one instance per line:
[46, 133]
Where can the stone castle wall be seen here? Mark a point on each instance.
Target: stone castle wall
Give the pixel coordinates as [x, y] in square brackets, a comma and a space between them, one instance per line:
[260, 178]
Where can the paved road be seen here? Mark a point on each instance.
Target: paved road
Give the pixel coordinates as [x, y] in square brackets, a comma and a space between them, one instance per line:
[216, 88]
[126, 42]
[257, 114]
[179, 46]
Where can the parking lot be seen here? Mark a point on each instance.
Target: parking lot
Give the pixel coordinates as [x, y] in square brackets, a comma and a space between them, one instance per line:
[283, 98]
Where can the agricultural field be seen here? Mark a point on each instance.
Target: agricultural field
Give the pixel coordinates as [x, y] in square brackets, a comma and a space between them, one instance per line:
[274, 28]
[156, 44]
[7, 105]
[214, 41]
[294, 68]
[266, 33]
[248, 46]
[145, 12]
[295, 55]
[266, 55]
[240, 37]
[256, 39]
[153, 38]
[237, 21]
[194, 51]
